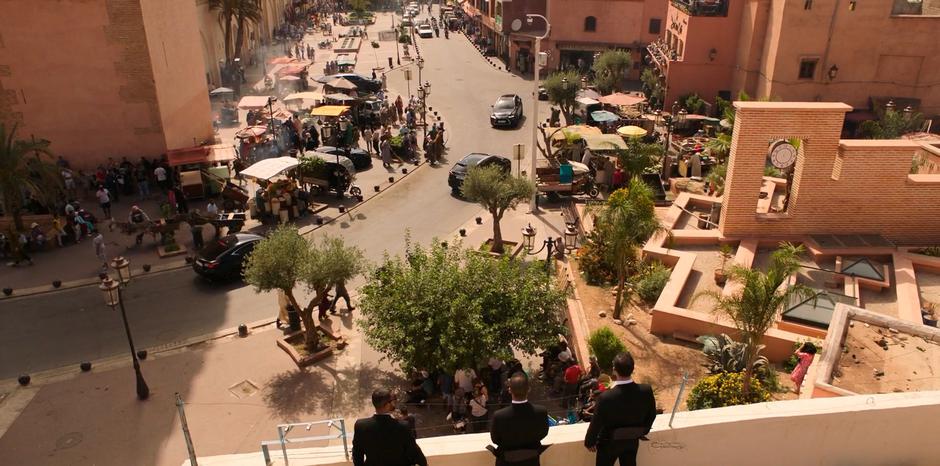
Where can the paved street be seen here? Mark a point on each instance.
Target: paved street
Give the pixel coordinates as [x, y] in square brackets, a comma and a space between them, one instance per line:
[66, 327]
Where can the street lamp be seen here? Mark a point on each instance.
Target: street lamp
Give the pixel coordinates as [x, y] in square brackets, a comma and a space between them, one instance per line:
[422, 94]
[533, 208]
[112, 292]
[528, 235]
[271, 100]
[571, 236]
[889, 107]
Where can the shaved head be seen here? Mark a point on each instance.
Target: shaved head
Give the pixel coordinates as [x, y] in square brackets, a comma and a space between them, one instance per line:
[519, 386]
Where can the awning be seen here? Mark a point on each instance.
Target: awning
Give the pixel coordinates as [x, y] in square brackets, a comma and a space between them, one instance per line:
[621, 99]
[200, 154]
[269, 168]
[342, 83]
[631, 131]
[346, 59]
[253, 101]
[221, 91]
[589, 93]
[329, 110]
[339, 97]
[603, 116]
[304, 96]
[346, 162]
[578, 130]
[291, 69]
[604, 142]
[586, 101]
[281, 60]
[251, 132]
[289, 77]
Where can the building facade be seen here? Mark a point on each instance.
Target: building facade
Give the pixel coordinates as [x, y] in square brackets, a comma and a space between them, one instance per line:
[107, 78]
[860, 53]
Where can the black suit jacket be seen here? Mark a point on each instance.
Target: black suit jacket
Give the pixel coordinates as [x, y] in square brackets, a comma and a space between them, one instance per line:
[519, 427]
[381, 440]
[627, 405]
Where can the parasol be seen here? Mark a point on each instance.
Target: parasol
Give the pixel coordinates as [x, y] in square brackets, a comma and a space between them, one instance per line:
[269, 168]
[342, 83]
[621, 99]
[603, 116]
[304, 96]
[251, 131]
[289, 78]
[340, 97]
[253, 101]
[631, 131]
[221, 91]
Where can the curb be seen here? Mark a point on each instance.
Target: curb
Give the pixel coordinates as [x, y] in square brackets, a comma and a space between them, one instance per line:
[43, 289]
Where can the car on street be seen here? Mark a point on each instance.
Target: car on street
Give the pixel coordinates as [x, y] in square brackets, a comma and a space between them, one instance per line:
[507, 111]
[459, 171]
[543, 93]
[222, 259]
[425, 31]
[364, 83]
[360, 158]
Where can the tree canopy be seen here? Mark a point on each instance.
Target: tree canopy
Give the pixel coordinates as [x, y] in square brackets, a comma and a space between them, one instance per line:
[610, 69]
[892, 125]
[447, 307]
[497, 192]
[562, 88]
[638, 156]
[285, 260]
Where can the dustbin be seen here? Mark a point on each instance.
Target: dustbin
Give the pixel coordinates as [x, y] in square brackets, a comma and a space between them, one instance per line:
[293, 318]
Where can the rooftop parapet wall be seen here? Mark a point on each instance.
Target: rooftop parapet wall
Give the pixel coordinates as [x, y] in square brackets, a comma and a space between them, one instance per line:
[839, 186]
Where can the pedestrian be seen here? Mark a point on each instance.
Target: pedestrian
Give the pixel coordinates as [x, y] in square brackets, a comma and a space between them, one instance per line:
[408, 420]
[341, 292]
[386, 151]
[100, 252]
[382, 440]
[211, 209]
[181, 205]
[367, 138]
[478, 411]
[518, 429]
[399, 108]
[804, 357]
[623, 416]
[20, 252]
[572, 380]
[104, 200]
[324, 305]
[376, 140]
[162, 179]
[139, 221]
[143, 183]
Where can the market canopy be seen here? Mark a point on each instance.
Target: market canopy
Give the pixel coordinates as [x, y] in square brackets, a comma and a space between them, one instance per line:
[329, 110]
[588, 94]
[281, 60]
[604, 142]
[269, 168]
[346, 59]
[296, 68]
[342, 83]
[339, 97]
[304, 96]
[200, 154]
[253, 101]
[586, 101]
[621, 99]
[603, 116]
[251, 131]
[221, 91]
[289, 77]
[575, 130]
[631, 131]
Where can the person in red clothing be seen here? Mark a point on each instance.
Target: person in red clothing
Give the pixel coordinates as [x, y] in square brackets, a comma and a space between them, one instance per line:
[572, 379]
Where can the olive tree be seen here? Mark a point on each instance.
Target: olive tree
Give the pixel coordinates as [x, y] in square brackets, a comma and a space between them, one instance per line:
[285, 260]
[562, 88]
[497, 192]
[610, 69]
[447, 307]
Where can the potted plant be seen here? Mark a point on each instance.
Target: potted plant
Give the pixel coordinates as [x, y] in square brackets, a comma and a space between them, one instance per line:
[720, 275]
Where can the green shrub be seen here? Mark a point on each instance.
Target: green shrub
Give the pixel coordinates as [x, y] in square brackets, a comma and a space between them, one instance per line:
[725, 389]
[651, 281]
[592, 260]
[605, 345]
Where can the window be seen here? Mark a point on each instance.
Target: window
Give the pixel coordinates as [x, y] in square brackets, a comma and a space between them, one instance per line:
[590, 24]
[808, 68]
[808, 5]
[655, 24]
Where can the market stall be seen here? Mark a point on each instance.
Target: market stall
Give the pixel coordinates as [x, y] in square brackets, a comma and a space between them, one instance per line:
[192, 162]
[276, 198]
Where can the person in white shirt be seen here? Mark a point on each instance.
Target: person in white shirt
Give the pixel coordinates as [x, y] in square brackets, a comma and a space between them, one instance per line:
[211, 208]
[160, 173]
[104, 200]
[463, 378]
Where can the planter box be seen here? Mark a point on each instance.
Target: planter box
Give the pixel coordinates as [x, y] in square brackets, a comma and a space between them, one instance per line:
[510, 248]
[162, 252]
[291, 343]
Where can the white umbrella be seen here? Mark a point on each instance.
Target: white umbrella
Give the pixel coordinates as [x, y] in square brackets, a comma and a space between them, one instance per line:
[221, 91]
[269, 168]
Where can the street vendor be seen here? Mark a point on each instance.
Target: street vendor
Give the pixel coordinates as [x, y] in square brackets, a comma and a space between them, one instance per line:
[138, 219]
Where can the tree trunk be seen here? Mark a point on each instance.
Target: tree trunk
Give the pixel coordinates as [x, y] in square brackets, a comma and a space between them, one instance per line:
[227, 27]
[239, 36]
[11, 205]
[618, 303]
[748, 371]
[311, 336]
[497, 245]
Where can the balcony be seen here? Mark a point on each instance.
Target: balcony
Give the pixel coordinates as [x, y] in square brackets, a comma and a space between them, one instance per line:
[661, 54]
[702, 7]
[865, 430]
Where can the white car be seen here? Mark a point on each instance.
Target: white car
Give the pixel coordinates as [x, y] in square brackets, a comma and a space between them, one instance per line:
[425, 31]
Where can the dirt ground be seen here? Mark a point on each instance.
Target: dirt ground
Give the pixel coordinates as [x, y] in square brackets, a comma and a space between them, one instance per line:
[901, 363]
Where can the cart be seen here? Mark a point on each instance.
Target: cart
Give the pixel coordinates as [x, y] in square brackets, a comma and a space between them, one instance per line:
[570, 179]
[325, 172]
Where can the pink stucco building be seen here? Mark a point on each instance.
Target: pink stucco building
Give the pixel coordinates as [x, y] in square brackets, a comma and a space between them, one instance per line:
[860, 53]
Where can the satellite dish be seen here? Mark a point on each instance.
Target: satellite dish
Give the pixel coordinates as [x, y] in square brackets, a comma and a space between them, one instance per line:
[516, 24]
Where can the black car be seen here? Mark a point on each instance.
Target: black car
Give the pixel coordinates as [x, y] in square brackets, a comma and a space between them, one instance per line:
[507, 111]
[223, 258]
[459, 170]
[363, 83]
[360, 158]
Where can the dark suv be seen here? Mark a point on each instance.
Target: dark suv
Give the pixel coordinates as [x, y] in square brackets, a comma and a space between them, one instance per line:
[362, 83]
[507, 111]
[459, 170]
[222, 259]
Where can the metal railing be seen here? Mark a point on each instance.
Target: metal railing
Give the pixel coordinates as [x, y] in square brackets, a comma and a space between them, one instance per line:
[284, 429]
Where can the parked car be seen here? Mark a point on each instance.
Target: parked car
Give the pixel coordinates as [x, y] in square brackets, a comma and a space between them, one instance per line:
[360, 158]
[543, 93]
[459, 171]
[425, 31]
[362, 82]
[507, 111]
[223, 259]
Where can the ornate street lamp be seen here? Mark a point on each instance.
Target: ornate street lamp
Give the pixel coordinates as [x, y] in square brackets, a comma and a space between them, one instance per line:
[112, 292]
[571, 236]
[528, 235]
[271, 100]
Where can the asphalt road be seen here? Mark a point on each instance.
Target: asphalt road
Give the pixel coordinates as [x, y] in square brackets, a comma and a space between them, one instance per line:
[66, 327]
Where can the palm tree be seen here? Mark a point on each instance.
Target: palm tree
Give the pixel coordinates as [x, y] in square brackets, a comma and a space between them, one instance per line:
[754, 308]
[248, 10]
[25, 166]
[626, 221]
[720, 145]
[716, 178]
[226, 10]
[638, 156]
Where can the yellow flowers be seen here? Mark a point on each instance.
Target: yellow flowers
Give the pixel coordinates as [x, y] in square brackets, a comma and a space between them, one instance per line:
[725, 389]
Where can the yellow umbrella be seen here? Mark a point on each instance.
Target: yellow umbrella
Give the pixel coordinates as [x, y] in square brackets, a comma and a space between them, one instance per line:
[631, 131]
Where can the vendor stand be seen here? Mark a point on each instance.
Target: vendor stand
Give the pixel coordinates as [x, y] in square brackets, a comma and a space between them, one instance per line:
[277, 196]
[193, 161]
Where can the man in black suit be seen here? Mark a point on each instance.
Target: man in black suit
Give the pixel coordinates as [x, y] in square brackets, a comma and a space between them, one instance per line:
[383, 441]
[624, 415]
[518, 429]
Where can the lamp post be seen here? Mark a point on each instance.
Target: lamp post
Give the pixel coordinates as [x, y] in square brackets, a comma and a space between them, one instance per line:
[271, 100]
[397, 54]
[422, 94]
[112, 292]
[528, 237]
[571, 236]
[533, 207]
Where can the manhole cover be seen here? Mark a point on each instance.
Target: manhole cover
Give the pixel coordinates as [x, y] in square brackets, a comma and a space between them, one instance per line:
[69, 440]
[243, 389]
